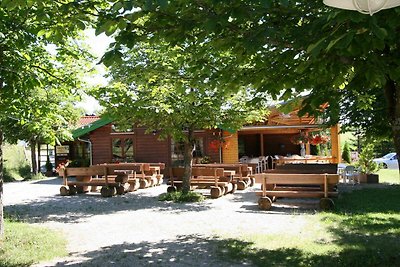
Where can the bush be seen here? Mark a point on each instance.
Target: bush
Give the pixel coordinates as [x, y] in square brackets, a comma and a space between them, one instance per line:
[366, 163]
[179, 197]
[346, 156]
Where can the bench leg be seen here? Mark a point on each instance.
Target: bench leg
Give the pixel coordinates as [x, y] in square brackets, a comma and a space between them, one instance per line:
[215, 192]
[264, 203]
[241, 185]
[171, 189]
[64, 191]
[72, 190]
[326, 203]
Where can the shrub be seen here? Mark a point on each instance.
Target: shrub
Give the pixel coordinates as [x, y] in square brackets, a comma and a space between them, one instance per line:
[179, 197]
[346, 156]
[366, 163]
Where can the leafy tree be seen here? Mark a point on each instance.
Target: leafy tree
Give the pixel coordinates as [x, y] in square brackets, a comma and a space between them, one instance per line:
[30, 70]
[346, 156]
[349, 59]
[157, 87]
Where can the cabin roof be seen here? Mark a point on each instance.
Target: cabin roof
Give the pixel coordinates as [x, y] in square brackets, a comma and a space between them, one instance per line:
[90, 123]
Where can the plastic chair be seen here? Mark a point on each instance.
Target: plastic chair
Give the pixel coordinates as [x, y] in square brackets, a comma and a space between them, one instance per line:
[350, 174]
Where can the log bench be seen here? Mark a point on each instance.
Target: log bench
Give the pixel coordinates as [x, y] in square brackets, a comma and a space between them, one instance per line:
[202, 177]
[243, 176]
[297, 186]
[113, 178]
[93, 177]
[139, 174]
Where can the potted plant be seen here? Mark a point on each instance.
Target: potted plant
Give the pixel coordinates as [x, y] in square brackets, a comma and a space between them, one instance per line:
[49, 167]
[367, 166]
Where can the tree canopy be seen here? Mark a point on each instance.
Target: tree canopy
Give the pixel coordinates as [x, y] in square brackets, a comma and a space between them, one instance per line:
[348, 59]
[156, 86]
[41, 63]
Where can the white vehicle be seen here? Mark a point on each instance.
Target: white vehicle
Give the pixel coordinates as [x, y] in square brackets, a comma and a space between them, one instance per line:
[389, 161]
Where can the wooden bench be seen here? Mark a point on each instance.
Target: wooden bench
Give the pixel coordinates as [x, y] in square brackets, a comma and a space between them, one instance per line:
[202, 177]
[243, 176]
[136, 171]
[113, 178]
[157, 169]
[92, 176]
[297, 186]
[330, 168]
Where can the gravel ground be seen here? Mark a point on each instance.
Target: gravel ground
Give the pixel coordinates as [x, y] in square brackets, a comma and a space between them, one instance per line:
[138, 230]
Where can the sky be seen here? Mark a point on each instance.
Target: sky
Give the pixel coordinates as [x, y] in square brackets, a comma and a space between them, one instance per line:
[98, 45]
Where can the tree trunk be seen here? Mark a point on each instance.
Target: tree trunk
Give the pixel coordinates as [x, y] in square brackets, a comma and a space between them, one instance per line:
[33, 157]
[392, 94]
[38, 156]
[1, 187]
[188, 161]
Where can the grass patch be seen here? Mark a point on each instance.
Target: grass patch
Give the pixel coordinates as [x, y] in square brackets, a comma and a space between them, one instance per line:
[179, 197]
[389, 176]
[24, 244]
[362, 231]
[16, 166]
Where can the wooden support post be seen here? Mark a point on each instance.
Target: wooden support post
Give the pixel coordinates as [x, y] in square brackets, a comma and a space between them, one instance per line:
[262, 144]
[335, 142]
[308, 150]
[326, 185]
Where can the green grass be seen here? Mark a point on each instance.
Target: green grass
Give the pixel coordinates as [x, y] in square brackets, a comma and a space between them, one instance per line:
[24, 244]
[179, 197]
[363, 230]
[389, 176]
[16, 167]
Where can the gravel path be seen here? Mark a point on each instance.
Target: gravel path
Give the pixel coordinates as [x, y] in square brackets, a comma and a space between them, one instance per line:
[138, 230]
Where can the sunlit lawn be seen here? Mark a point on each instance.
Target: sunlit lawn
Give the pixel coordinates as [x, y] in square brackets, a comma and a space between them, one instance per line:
[389, 176]
[24, 244]
[364, 230]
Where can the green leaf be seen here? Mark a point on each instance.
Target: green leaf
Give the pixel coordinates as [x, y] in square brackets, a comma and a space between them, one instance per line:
[315, 48]
[163, 3]
[333, 42]
[117, 6]
[265, 3]
[381, 33]
[122, 24]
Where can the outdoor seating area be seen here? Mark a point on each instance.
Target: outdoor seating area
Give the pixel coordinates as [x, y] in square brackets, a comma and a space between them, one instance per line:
[112, 178]
[219, 178]
[242, 174]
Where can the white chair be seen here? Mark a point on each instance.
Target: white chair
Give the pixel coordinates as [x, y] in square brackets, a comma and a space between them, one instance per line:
[350, 174]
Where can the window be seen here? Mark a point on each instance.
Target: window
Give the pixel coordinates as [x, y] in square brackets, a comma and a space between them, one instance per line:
[177, 151]
[122, 150]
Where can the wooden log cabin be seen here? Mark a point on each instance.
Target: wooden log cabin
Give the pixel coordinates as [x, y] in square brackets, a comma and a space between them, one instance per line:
[98, 140]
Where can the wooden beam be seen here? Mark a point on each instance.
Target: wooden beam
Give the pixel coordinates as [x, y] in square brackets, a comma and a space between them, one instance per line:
[335, 142]
[262, 144]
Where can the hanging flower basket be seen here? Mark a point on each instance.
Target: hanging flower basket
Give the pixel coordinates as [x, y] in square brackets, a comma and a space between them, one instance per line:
[299, 139]
[319, 139]
[216, 144]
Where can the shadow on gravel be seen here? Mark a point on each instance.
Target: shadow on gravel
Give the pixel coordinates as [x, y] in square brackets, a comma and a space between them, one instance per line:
[192, 250]
[74, 209]
[281, 206]
[52, 180]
